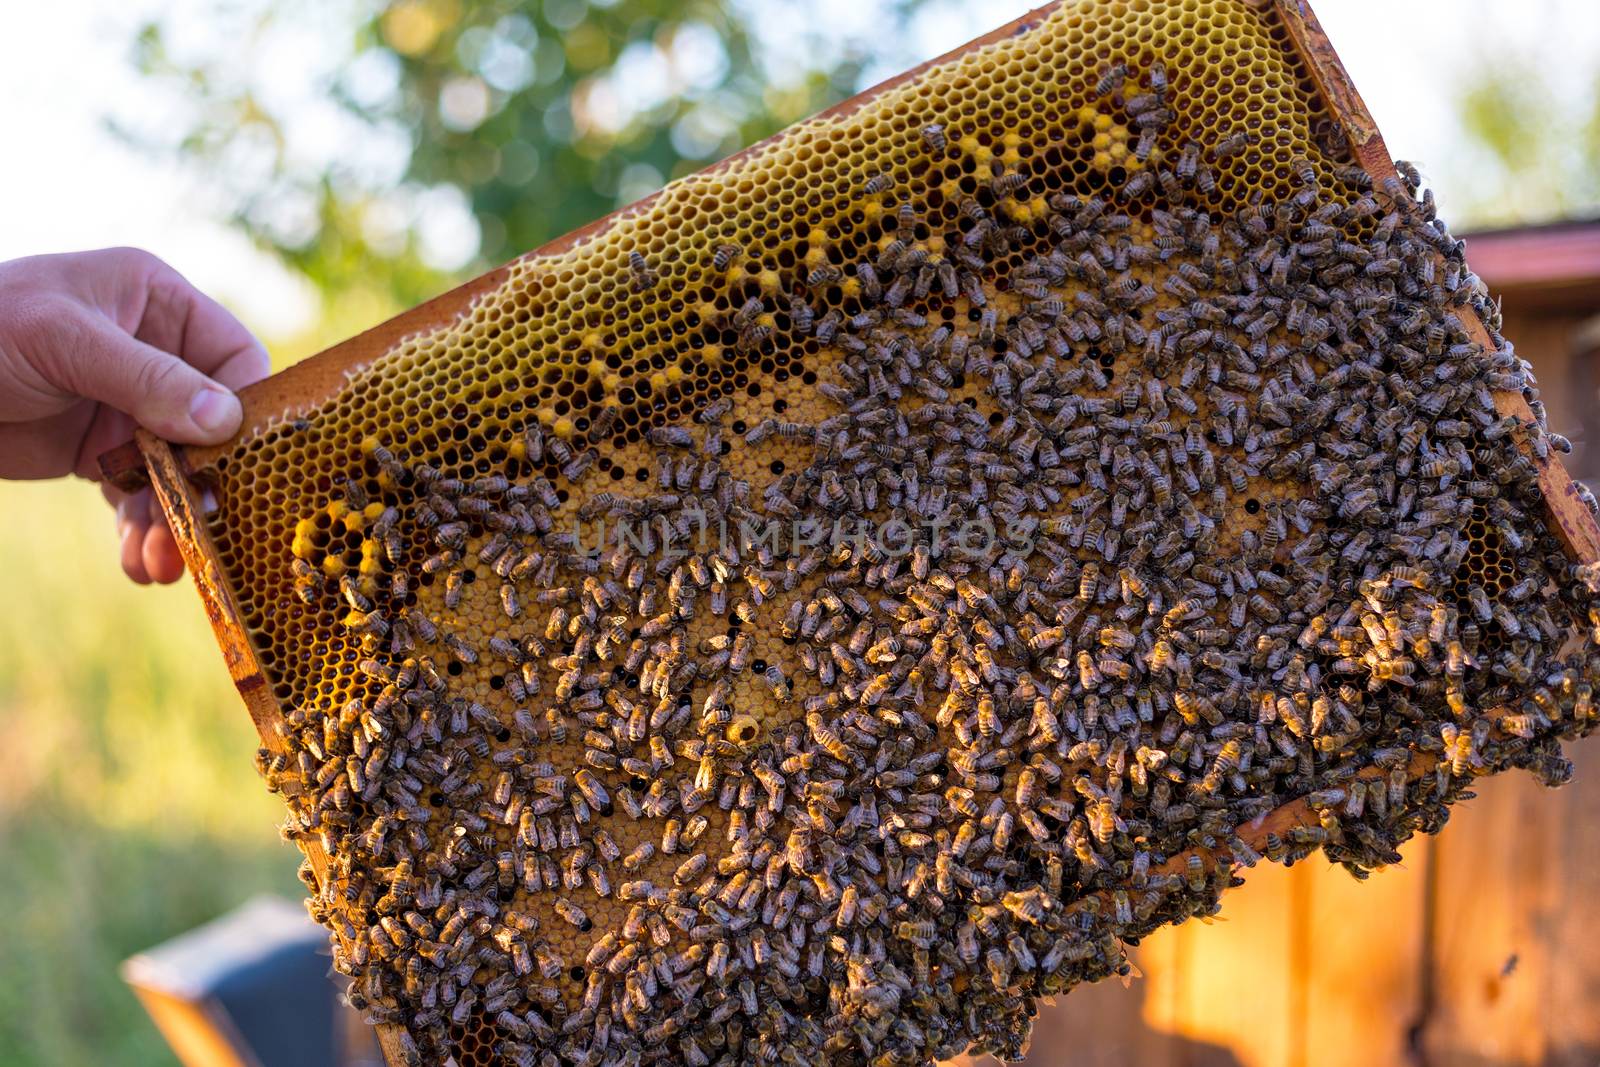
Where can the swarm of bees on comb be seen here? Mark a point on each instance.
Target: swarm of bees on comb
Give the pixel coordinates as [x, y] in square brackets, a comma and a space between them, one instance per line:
[1066, 500]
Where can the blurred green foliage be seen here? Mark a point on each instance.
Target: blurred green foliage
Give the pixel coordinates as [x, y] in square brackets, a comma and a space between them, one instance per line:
[130, 811]
[535, 117]
[1536, 155]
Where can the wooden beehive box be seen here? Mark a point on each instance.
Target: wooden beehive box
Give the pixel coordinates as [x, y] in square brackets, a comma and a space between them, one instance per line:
[596, 348]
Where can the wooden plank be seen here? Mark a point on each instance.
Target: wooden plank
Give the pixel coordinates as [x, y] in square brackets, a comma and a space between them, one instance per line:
[1304, 965]
[1494, 905]
[1546, 341]
[1340, 964]
[1100, 1025]
[1163, 952]
[1230, 989]
[1567, 383]
[1570, 987]
[1362, 983]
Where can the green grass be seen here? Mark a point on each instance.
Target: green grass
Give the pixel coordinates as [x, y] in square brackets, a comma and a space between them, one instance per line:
[129, 808]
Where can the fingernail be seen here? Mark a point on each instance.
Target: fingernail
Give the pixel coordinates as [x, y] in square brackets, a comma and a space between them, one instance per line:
[214, 410]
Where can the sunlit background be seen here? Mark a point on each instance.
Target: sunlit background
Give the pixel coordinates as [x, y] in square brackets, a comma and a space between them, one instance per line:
[321, 164]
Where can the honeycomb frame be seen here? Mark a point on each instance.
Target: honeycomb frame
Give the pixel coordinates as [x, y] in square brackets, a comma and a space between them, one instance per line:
[315, 382]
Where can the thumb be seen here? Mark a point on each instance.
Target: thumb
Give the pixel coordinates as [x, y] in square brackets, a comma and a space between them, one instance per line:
[162, 393]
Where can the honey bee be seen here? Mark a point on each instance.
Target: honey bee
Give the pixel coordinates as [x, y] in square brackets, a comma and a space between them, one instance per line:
[1008, 184]
[1230, 146]
[641, 275]
[1111, 79]
[777, 683]
[641, 854]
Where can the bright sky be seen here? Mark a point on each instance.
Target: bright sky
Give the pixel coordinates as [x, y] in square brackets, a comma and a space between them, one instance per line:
[68, 183]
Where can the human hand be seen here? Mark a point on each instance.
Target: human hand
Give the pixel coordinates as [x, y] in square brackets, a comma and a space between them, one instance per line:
[92, 343]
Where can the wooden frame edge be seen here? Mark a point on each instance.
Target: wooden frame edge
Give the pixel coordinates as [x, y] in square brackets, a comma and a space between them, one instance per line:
[183, 507]
[1576, 527]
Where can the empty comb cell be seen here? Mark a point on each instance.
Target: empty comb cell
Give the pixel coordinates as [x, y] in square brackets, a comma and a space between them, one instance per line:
[842, 598]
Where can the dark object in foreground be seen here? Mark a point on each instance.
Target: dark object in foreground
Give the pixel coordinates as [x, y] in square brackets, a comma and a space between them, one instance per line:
[251, 989]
